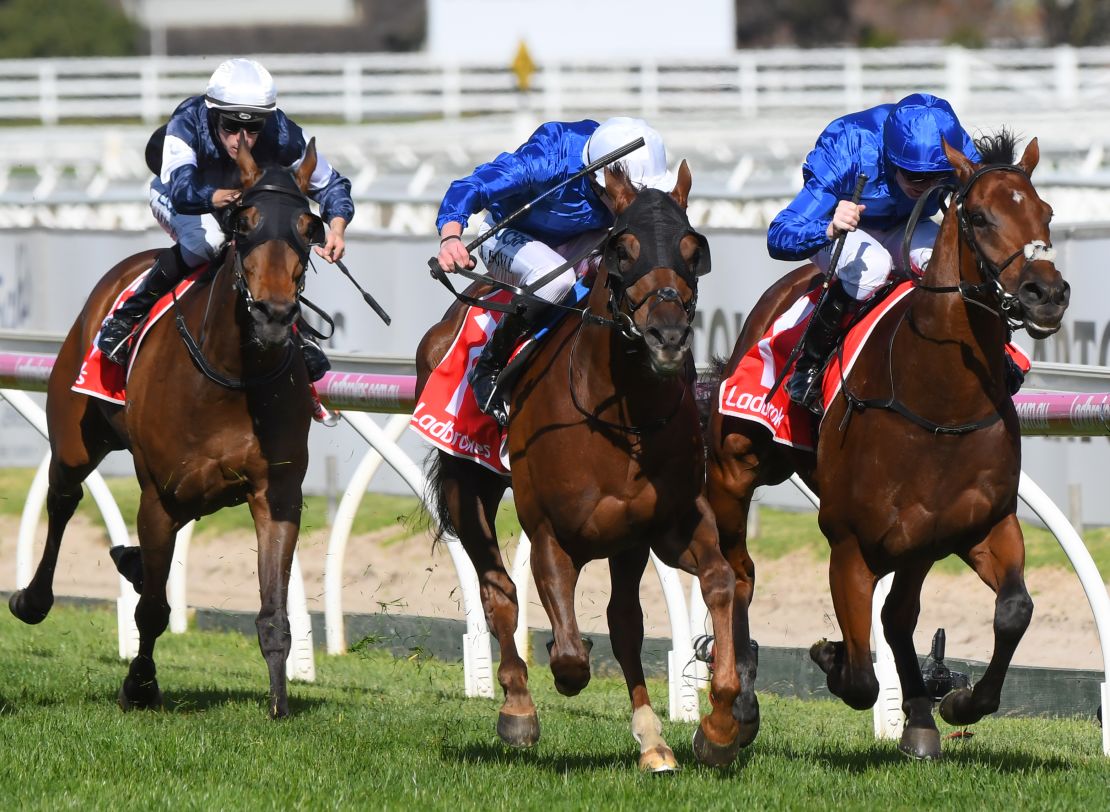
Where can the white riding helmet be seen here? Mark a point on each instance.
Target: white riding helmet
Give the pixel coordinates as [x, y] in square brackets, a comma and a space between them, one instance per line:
[646, 167]
[242, 88]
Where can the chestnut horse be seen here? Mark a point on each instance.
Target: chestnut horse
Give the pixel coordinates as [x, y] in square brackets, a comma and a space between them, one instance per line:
[921, 458]
[607, 462]
[200, 443]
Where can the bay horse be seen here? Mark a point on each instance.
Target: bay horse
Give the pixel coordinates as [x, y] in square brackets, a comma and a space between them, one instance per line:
[920, 458]
[607, 463]
[225, 424]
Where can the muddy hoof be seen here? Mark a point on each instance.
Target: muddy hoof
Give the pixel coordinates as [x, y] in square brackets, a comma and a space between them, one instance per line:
[745, 710]
[957, 708]
[714, 755]
[148, 698]
[518, 731]
[824, 653]
[21, 607]
[921, 743]
[659, 760]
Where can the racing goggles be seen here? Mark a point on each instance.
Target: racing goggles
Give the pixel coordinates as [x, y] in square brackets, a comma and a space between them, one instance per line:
[923, 178]
[232, 123]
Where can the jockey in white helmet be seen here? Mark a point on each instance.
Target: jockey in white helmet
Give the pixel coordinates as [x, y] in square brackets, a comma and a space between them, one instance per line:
[193, 157]
[555, 229]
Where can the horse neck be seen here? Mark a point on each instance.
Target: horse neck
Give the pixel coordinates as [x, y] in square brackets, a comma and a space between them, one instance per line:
[218, 322]
[948, 338]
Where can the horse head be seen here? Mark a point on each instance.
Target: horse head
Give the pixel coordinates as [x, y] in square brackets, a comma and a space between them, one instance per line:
[1006, 225]
[653, 259]
[272, 230]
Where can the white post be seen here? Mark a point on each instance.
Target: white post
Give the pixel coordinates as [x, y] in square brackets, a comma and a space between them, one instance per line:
[175, 587]
[683, 689]
[300, 664]
[888, 717]
[522, 579]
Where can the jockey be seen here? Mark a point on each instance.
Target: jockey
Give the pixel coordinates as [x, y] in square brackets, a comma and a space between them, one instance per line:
[196, 181]
[557, 229]
[898, 147]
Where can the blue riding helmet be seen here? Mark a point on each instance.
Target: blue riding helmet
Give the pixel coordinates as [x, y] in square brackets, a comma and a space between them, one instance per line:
[912, 133]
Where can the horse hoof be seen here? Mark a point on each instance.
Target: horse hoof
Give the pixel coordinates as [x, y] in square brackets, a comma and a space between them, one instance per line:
[659, 760]
[128, 703]
[714, 755]
[21, 607]
[746, 714]
[958, 709]
[518, 731]
[129, 563]
[823, 652]
[921, 743]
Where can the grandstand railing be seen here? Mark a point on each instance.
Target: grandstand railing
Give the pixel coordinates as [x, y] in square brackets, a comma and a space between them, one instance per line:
[374, 87]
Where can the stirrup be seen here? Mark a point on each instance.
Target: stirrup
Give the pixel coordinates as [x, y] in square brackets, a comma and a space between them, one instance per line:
[809, 398]
[113, 342]
[321, 413]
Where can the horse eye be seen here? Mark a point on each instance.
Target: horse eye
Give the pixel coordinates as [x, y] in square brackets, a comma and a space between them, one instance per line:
[978, 219]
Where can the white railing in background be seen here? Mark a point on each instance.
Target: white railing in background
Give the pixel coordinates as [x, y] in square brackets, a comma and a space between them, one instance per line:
[358, 88]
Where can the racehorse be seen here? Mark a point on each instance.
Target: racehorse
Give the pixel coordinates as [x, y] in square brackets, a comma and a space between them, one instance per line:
[920, 458]
[222, 424]
[607, 462]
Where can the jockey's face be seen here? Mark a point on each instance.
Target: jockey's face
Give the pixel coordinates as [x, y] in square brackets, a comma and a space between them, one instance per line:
[915, 184]
[231, 140]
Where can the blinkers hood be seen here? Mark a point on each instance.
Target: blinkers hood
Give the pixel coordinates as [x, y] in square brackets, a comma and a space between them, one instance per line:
[280, 205]
[660, 224]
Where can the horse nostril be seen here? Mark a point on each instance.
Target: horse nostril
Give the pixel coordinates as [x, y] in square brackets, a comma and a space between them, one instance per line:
[1032, 293]
[1062, 295]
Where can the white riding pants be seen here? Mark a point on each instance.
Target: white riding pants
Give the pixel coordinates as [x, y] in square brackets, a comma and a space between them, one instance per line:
[869, 258]
[519, 259]
[199, 235]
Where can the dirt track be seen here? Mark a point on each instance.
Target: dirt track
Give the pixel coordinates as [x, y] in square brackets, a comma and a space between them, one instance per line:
[791, 608]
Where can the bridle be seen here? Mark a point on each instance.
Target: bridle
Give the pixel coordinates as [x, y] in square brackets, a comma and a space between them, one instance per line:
[1007, 303]
[278, 219]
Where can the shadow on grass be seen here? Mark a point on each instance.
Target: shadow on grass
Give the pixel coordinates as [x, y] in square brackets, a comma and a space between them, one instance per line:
[887, 756]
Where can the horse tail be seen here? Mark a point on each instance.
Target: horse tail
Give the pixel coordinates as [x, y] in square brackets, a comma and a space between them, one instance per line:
[434, 498]
[705, 390]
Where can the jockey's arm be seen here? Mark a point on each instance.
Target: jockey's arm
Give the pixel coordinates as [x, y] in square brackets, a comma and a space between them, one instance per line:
[335, 246]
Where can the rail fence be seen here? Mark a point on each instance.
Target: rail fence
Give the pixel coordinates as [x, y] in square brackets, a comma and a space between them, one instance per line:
[1040, 413]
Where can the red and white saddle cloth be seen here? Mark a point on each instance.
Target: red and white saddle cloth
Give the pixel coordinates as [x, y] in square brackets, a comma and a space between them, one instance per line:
[447, 414]
[744, 393]
[106, 380]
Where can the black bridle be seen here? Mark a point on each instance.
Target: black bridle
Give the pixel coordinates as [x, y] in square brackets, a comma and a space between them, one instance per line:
[973, 294]
[280, 205]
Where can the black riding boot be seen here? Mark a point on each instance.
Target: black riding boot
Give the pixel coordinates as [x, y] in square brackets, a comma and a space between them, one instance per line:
[824, 331]
[494, 357]
[169, 269]
[316, 363]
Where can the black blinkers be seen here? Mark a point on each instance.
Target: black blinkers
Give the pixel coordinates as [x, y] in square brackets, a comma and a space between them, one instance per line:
[280, 206]
[660, 226]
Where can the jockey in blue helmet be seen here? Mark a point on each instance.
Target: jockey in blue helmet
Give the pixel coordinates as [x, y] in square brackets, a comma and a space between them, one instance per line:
[558, 228]
[898, 147]
[197, 178]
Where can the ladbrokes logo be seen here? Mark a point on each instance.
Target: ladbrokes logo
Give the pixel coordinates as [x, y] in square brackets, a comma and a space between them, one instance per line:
[444, 431]
[756, 405]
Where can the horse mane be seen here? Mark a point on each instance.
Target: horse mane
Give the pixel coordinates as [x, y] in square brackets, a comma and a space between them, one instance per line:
[997, 148]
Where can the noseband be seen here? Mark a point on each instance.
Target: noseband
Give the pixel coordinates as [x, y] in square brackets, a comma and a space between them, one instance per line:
[1033, 251]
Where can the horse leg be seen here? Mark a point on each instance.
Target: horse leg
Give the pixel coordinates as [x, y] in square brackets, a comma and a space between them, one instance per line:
[157, 531]
[717, 739]
[626, 632]
[999, 560]
[920, 738]
[277, 539]
[556, 576]
[729, 489]
[850, 672]
[472, 502]
[32, 603]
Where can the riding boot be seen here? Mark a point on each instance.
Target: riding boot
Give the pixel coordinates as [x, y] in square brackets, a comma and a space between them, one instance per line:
[316, 363]
[494, 357]
[824, 331]
[115, 333]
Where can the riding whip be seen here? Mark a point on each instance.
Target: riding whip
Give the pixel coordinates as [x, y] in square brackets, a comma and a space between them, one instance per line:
[366, 297]
[829, 276]
[438, 273]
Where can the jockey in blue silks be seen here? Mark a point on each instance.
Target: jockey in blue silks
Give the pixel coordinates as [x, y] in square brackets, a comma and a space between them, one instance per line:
[555, 230]
[196, 181]
[898, 147]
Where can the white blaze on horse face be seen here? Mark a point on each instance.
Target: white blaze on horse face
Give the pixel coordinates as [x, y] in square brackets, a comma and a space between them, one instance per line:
[1018, 196]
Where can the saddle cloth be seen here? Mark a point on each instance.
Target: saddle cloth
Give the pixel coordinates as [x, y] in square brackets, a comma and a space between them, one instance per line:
[101, 378]
[447, 414]
[744, 393]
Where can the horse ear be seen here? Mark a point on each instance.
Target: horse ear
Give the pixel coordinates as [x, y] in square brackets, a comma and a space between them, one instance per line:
[620, 191]
[964, 168]
[1030, 157]
[681, 191]
[248, 169]
[308, 165]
